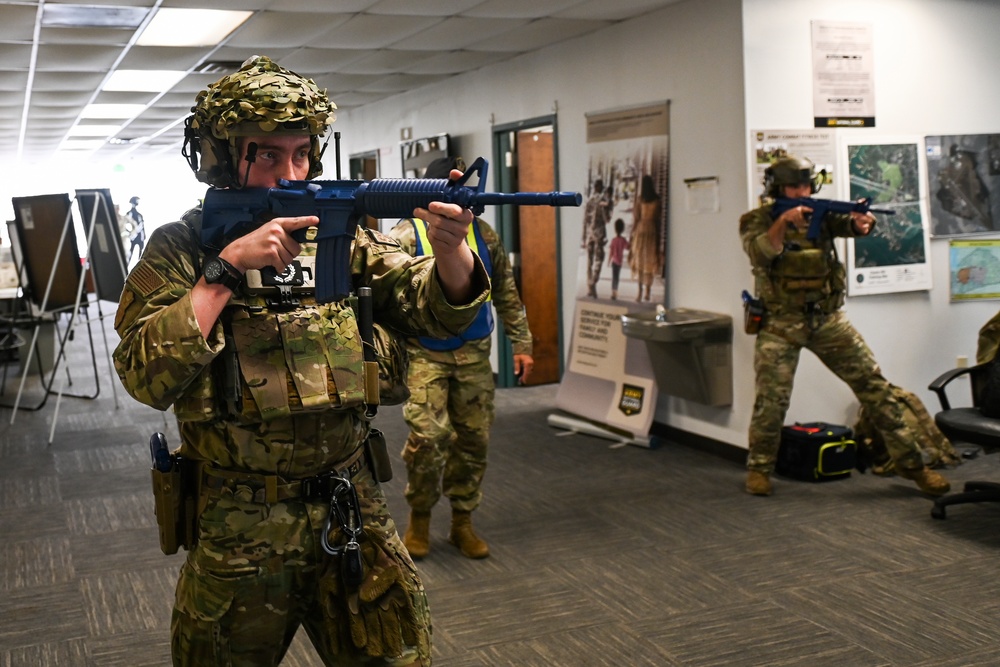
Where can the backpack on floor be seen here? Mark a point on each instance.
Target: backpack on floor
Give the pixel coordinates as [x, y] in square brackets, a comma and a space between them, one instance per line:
[937, 450]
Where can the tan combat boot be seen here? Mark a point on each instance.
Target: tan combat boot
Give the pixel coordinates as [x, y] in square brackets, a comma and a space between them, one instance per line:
[463, 537]
[929, 481]
[417, 538]
[758, 483]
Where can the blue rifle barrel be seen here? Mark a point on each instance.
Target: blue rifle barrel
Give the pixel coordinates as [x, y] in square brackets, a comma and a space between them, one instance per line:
[397, 197]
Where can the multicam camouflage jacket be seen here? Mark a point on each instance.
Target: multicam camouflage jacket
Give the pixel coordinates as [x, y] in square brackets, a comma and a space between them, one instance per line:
[504, 297]
[803, 272]
[163, 360]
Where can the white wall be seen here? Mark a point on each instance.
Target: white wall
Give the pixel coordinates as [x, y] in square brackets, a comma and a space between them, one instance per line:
[689, 53]
[935, 73]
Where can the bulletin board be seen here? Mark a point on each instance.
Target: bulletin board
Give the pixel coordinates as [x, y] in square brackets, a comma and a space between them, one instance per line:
[107, 254]
[41, 222]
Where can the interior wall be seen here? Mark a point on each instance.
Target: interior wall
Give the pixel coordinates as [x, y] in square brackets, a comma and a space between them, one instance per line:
[934, 74]
[689, 53]
[727, 67]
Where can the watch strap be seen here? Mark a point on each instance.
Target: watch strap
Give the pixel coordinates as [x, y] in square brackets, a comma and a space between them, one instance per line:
[231, 278]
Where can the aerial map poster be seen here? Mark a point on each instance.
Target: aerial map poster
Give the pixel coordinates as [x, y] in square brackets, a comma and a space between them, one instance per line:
[894, 257]
[963, 173]
[974, 269]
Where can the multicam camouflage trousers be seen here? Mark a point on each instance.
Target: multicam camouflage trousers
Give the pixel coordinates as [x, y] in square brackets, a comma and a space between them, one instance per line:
[449, 412]
[259, 571]
[840, 347]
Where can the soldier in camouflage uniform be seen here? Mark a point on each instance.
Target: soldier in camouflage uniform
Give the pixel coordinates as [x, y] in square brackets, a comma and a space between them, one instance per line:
[450, 409]
[274, 458]
[802, 285]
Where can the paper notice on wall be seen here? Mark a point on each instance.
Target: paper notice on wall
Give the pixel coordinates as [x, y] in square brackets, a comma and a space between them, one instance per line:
[843, 74]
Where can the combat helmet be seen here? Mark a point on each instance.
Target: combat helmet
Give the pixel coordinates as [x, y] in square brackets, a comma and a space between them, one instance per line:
[790, 170]
[260, 97]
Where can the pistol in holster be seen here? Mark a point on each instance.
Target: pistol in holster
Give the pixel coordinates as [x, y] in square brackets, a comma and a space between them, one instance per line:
[753, 313]
[175, 493]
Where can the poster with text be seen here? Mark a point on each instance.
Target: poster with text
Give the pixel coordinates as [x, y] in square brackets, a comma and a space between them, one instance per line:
[974, 269]
[963, 176]
[843, 74]
[895, 256]
[817, 146]
[621, 267]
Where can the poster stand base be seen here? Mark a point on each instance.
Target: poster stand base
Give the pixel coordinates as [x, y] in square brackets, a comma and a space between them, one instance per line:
[579, 425]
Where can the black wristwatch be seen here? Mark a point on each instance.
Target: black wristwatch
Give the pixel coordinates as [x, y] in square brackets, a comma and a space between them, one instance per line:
[219, 271]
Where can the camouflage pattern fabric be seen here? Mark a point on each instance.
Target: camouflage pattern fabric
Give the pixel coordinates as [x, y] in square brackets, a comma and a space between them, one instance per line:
[805, 314]
[840, 347]
[259, 571]
[164, 361]
[449, 412]
[595, 236]
[989, 340]
[450, 409]
[936, 449]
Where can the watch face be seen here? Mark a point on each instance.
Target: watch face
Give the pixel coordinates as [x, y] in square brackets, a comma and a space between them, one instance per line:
[213, 271]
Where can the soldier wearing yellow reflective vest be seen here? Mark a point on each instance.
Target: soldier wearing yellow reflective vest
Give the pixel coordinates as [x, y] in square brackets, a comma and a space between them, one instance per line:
[450, 409]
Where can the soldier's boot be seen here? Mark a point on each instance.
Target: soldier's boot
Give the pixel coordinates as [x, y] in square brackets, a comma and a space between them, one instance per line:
[463, 537]
[758, 483]
[417, 537]
[929, 481]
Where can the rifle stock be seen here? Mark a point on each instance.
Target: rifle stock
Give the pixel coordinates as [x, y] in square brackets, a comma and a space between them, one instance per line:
[339, 205]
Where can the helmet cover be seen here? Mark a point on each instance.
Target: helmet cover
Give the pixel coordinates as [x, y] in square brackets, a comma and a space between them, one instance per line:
[260, 97]
[789, 170]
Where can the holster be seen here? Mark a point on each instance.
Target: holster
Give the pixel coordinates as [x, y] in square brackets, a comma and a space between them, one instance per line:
[753, 315]
[378, 456]
[175, 494]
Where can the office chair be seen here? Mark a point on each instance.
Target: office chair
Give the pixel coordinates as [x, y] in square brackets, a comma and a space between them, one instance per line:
[978, 425]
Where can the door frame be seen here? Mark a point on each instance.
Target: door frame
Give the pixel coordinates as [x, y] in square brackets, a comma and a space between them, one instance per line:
[507, 229]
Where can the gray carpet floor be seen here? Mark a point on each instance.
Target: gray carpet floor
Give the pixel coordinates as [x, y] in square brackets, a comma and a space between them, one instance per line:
[601, 554]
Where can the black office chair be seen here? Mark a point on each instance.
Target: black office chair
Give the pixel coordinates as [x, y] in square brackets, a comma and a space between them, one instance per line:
[977, 425]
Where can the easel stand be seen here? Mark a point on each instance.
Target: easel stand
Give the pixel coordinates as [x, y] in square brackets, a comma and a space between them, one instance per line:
[67, 335]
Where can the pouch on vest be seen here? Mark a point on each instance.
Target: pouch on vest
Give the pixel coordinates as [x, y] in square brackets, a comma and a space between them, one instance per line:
[801, 270]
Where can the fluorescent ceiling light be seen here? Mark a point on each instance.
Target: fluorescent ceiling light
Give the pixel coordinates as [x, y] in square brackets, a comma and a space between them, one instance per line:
[112, 110]
[190, 27]
[94, 130]
[92, 16]
[141, 80]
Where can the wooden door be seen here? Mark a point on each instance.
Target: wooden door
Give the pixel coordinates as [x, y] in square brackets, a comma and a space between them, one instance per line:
[539, 248]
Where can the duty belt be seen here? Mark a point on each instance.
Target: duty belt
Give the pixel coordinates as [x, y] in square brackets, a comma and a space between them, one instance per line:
[269, 489]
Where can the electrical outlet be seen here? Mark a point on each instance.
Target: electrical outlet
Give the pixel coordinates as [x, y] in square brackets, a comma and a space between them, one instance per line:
[962, 361]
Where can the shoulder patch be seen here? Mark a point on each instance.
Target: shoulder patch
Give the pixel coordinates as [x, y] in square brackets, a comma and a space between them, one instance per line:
[145, 280]
[382, 239]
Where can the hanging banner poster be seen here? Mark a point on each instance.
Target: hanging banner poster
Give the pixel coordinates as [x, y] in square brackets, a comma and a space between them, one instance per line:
[894, 257]
[817, 146]
[843, 74]
[621, 268]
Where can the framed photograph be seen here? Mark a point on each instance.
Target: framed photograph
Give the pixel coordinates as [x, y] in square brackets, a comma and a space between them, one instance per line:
[974, 269]
[963, 176]
[895, 256]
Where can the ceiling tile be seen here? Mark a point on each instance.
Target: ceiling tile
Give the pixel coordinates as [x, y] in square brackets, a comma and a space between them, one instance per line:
[67, 81]
[423, 7]
[18, 23]
[537, 34]
[284, 29]
[314, 7]
[104, 36]
[384, 61]
[15, 56]
[77, 58]
[458, 33]
[602, 10]
[521, 9]
[367, 31]
[455, 62]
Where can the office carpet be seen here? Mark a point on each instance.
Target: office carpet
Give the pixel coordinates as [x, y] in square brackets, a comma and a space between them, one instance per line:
[601, 554]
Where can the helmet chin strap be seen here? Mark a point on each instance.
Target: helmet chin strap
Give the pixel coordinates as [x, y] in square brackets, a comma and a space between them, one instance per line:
[250, 159]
